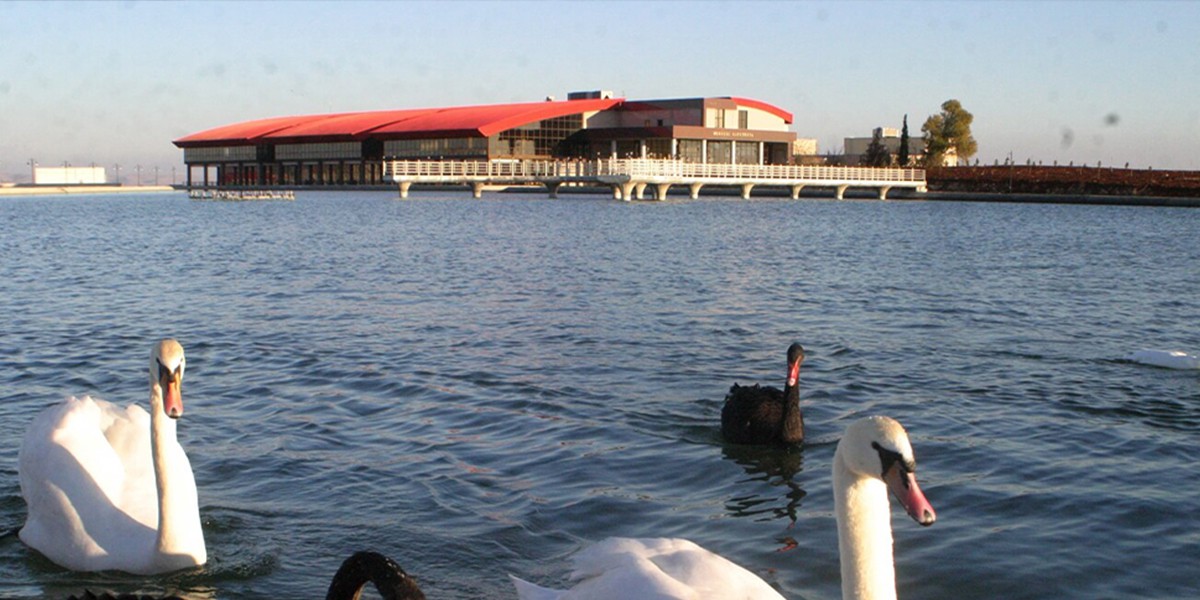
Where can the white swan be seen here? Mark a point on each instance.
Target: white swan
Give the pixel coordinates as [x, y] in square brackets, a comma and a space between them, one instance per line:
[873, 457]
[1167, 359]
[111, 488]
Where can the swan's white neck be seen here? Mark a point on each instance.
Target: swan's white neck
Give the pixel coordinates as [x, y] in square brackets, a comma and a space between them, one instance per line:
[864, 535]
[162, 441]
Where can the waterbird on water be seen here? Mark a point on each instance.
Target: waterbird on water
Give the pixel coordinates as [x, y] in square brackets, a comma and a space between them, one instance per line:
[872, 458]
[764, 414]
[1167, 359]
[110, 488]
[364, 567]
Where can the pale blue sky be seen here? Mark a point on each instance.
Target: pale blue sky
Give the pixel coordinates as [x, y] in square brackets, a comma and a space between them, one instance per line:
[109, 83]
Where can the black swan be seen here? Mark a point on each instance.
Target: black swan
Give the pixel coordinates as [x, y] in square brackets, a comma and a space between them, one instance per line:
[391, 581]
[763, 414]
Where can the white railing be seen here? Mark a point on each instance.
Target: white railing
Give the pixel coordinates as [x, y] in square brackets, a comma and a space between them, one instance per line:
[524, 169]
[637, 169]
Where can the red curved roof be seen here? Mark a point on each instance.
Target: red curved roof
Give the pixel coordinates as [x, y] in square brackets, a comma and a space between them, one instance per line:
[242, 133]
[470, 121]
[347, 125]
[488, 120]
[760, 105]
[482, 121]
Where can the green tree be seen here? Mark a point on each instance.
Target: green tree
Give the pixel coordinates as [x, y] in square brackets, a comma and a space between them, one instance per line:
[902, 154]
[877, 154]
[949, 130]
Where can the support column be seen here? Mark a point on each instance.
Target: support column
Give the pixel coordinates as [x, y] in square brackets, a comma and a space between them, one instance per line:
[627, 191]
[796, 191]
[476, 189]
[616, 192]
[694, 189]
[639, 189]
[746, 187]
[660, 191]
[841, 191]
[883, 192]
[552, 187]
[404, 185]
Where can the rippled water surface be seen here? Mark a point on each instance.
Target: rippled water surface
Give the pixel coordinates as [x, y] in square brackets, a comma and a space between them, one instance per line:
[481, 387]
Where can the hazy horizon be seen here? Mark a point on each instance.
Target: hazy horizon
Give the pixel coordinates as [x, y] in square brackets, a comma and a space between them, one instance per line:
[1066, 82]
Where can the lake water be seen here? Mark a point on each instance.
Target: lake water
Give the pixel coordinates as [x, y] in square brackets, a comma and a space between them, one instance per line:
[481, 387]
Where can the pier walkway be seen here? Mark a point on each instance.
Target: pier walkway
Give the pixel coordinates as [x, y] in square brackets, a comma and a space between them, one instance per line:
[629, 178]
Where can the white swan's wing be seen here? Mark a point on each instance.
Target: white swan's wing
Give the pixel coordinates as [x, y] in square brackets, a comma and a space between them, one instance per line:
[529, 591]
[1167, 359]
[655, 569]
[73, 482]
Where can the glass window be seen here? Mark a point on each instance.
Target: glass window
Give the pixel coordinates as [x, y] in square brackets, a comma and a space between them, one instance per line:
[219, 154]
[720, 152]
[718, 118]
[543, 139]
[328, 151]
[747, 153]
[436, 148]
[691, 151]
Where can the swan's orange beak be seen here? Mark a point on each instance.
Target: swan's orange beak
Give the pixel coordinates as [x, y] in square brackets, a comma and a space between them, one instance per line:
[172, 395]
[903, 484]
[794, 372]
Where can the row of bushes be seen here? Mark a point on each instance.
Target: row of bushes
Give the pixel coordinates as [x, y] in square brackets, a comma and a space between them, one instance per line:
[1027, 179]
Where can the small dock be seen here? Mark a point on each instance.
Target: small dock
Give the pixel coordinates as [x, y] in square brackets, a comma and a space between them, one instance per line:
[629, 178]
[240, 195]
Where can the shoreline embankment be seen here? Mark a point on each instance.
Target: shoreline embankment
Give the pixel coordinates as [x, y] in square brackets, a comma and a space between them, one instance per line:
[60, 190]
[1010, 183]
[1070, 180]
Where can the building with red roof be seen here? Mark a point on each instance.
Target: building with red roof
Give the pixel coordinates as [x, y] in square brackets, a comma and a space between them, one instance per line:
[349, 148]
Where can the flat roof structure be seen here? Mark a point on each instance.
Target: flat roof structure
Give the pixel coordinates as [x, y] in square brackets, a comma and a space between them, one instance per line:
[348, 148]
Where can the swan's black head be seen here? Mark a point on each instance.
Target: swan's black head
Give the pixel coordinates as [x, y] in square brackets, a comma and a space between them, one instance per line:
[795, 353]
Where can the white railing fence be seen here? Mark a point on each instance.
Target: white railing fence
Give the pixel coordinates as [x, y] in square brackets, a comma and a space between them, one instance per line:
[636, 168]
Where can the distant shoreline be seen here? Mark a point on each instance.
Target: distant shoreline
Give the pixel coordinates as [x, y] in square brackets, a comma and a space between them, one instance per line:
[62, 190]
[968, 184]
[1067, 181]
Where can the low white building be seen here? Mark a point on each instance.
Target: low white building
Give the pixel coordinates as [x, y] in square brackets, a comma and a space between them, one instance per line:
[804, 147]
[856, 147]
[69, 176]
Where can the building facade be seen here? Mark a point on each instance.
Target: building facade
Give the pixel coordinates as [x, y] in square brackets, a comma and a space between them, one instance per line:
[349, 148]
[855, 148]
[69, 176]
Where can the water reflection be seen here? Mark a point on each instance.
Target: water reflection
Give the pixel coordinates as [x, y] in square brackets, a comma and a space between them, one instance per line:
[778, 468]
